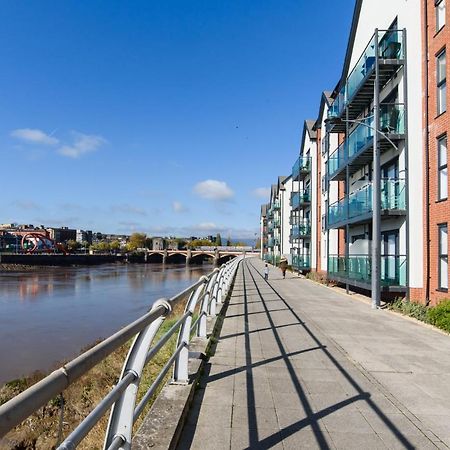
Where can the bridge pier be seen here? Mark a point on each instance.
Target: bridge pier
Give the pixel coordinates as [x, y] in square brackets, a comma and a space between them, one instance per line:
[164, 257]
[188, 257]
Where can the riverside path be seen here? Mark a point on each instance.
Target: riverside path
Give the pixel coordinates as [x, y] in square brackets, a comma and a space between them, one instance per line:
[299, 365]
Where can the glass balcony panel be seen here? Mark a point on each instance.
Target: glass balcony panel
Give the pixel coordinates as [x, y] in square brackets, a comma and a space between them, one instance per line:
[364, 65]
[299, 198]
[303, 164]
[360, 137]
[360, 201]
[301, 262]
[303, 228]
[393, 193]
[390, 44]
[358, 268]
[338, 105]
[337, 212]
[392, 118]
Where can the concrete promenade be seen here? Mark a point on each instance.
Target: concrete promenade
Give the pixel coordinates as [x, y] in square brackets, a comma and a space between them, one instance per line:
[299, 365]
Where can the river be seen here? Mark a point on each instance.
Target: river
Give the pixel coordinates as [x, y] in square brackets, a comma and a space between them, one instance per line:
[49, 315]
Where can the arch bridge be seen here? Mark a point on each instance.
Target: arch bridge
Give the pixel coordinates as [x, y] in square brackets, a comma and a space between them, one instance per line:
[217, 255]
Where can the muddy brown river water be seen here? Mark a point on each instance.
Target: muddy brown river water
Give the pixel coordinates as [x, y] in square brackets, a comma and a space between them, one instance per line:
[49, 315]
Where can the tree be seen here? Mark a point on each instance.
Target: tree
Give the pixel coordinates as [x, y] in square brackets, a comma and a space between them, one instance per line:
[228, 241]
[114, 245]
[72, 245]
[258, 243]
[200, 243]
[149, 243]
[137, 240]
[218, 240]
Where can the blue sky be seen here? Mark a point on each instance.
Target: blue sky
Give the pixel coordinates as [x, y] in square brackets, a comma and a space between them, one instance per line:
[168, 117]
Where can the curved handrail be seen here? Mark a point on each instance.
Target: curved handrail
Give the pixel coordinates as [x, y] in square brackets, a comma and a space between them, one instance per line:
[208, 290]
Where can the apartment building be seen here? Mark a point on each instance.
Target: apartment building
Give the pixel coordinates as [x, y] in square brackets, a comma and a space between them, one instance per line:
[303, 199]
[370, 185]
[436, 124]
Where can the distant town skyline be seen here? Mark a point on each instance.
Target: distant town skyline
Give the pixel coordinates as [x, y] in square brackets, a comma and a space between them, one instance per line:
[164, 118]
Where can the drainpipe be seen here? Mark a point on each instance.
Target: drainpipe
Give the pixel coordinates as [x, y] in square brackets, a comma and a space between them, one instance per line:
[427, 156]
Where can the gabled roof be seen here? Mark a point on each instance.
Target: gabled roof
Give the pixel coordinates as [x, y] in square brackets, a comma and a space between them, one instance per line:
[325, 99]
[286, 179]
[349, 51]
[281, 180]
[308, 128]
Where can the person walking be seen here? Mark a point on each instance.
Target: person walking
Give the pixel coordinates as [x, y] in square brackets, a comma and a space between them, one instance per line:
[283, 267]
[266, 272]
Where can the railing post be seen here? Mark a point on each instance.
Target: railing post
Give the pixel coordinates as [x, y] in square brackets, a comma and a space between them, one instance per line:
[201, 331]
[180, 369]
[121, 418]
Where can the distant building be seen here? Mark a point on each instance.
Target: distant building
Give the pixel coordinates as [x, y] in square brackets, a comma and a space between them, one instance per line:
[63, 234]
[158, 243]
[172, 244]
[84, 236]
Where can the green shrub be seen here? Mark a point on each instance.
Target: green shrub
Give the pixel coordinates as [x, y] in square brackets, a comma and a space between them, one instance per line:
[416, 310]
[439, 315]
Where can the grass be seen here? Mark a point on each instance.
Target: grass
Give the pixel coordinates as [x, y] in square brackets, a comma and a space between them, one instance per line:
[438, 315]
[40, 430]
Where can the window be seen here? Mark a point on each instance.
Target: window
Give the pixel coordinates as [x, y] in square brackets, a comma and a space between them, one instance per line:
[443, 256]
[441, 66]
[440, 14]
[442, 168]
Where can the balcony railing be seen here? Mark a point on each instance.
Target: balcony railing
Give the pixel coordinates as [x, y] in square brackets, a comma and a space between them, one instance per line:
[301, 262]
[392, 122]
[359, 202]
[276, 205]
[301, 167]
[303, 228]
[300, 198]
[358, 269]
[390, 47]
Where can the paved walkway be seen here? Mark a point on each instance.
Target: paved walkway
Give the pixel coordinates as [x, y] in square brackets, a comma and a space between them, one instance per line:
[299, 365]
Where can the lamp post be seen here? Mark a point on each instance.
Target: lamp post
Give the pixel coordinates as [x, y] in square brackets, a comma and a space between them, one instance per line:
[376, 202]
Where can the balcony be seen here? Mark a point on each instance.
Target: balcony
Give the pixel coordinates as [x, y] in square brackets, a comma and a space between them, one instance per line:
[272, 258]
[356, 270]
[357, 149]
[276, 205]
[301, 262]
[357, 207]
[301, 168]
[357, 91]
[300, 199]
[301, 230]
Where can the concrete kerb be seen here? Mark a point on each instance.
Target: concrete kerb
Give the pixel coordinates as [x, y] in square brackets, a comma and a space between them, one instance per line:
[362, 299]
[162, 427]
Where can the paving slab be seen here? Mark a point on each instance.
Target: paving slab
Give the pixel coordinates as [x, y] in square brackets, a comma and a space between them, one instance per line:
[299, 365]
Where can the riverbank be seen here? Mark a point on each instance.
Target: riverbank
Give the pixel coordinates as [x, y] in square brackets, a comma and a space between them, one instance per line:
[41, 430]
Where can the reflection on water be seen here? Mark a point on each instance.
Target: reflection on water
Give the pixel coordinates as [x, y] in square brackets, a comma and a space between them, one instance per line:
[48, 315]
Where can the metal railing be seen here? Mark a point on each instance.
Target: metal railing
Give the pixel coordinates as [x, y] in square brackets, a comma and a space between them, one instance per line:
[208, 292]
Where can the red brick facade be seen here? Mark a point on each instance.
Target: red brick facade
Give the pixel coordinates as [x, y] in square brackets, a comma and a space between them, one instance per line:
[437, 126]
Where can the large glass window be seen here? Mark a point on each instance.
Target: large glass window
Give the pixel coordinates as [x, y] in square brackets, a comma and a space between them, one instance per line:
[441, 78]
[440, 14]
[443, 256]
[442, 168]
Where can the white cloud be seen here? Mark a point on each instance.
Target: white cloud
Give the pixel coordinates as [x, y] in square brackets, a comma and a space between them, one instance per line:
[261, 192]
[213, 190]
[178, 207]
[82, 143]
[34, 136]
